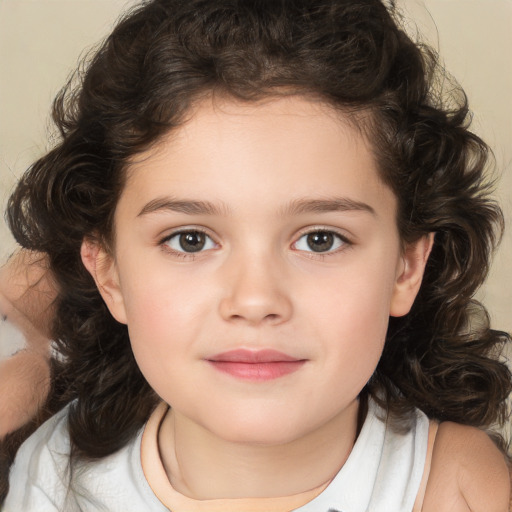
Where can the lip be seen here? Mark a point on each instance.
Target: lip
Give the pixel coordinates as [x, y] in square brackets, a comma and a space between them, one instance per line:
[243, 355]
[255, 365]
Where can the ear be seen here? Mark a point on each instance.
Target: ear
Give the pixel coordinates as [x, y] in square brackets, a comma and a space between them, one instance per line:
[101, 265]
[410, 274]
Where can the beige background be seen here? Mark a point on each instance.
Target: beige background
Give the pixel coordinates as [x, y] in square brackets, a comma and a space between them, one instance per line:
[41, 40]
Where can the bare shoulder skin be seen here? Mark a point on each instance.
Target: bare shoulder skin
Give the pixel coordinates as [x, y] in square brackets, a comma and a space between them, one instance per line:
[469, 473]
[26, 302]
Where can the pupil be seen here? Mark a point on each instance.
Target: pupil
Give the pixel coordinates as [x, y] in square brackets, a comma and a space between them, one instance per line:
[192, 242]
[320, 241]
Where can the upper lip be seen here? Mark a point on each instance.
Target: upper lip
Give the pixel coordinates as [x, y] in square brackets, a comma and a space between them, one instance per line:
[252, 356]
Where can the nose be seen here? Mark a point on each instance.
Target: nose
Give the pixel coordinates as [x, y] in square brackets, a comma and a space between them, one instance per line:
[255, 292]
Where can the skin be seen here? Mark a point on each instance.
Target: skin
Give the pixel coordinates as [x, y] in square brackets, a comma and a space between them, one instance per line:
[272, 173]
[26, 301]
[469, 473]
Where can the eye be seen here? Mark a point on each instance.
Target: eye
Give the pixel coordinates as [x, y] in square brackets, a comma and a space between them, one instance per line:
[189, 241]
[320, 241]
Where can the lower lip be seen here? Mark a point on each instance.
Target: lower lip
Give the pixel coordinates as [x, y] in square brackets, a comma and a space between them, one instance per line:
[257, 371]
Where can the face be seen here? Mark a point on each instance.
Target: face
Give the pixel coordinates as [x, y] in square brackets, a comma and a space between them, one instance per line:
[256, 263]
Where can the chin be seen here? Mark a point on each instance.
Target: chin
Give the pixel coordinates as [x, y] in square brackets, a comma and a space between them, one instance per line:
[259, 433]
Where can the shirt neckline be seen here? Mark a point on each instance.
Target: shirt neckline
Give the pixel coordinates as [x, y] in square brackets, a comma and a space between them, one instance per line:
[340, 495]
[157, 479]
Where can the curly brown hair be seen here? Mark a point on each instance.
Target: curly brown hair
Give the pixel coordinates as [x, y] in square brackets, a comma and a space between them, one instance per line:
[352, 54]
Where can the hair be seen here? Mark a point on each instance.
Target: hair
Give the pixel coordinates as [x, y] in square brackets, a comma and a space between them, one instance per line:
[166, 55]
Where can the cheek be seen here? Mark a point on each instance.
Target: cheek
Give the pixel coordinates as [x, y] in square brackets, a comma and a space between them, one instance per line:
[357, 296]
[165, 319]
[349, 314]
[159, 299]
[158, 341]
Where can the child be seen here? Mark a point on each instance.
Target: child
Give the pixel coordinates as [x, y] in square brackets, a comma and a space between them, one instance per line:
[266, 232]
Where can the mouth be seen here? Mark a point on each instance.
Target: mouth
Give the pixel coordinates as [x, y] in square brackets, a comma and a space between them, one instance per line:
[255, 365]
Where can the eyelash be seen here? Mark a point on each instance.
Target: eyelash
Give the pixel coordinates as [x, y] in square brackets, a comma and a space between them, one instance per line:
[344, 242]
[183, 254]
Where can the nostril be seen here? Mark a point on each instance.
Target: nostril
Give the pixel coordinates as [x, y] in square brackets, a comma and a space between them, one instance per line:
[272, 317]
[270, 308]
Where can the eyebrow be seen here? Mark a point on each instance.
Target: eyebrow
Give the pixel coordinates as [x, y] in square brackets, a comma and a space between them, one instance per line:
[334, 204]
[188, 207]
[295, 207]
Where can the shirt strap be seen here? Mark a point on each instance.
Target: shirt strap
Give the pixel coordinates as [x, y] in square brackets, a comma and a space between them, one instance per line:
[432, 431]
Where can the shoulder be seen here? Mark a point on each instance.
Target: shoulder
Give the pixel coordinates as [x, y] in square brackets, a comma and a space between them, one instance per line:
[50, 439]
[469, 473]
[41, 467]
[42, 479]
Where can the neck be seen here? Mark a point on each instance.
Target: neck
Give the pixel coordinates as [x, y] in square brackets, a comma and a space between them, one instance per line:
[203, 466]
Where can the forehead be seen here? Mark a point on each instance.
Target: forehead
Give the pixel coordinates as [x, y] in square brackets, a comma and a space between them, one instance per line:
[277, 150]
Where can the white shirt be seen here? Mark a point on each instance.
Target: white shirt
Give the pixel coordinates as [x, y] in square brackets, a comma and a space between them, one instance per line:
[382, 474]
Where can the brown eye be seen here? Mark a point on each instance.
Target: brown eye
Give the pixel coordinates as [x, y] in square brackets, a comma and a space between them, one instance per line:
[189, 241]
[321, 241]
[192, 242]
